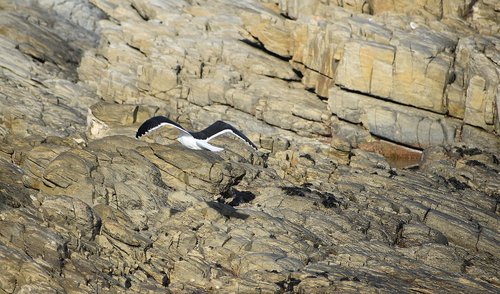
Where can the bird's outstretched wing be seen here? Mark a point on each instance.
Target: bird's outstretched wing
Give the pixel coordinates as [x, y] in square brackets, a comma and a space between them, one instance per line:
[155, 123]
[218, 128]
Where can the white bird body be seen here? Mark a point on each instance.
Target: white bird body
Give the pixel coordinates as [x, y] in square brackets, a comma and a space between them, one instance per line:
[189, 141]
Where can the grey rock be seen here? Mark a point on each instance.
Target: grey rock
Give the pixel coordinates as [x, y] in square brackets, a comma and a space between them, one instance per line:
[205, 170]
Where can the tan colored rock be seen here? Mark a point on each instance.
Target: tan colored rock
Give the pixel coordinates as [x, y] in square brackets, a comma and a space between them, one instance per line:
[72, 214]
[459, 232]
[273, 33]
[69, 173]
[22, 275]
[414, 234]
[105, 119]
[316, 44]
[191, 271]
[123, 234]
[37, 160]
[475, 92]
[294, 9]
[210, 173]
[485, 17]
[398, 123]
[400, 74]
[367, 67]
[429, 9]
[488, 141]
[38, 42]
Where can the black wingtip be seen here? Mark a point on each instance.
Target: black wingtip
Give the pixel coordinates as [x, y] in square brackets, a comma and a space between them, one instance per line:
[143, 129]
[152, 123]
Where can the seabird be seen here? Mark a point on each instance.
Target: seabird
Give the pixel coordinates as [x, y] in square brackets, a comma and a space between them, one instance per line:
[194, 140]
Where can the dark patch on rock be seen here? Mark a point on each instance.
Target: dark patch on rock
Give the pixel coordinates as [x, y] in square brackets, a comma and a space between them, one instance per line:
[354, 279]
[265, 157]
[258, 45]
[469, 151]
[413, 167]
[14, 197]
[226, 210]
[295, 191]
[165, 281]
[288, 285]
[496, 160]
[453, 182]
[329, 200]
[235, 197]
[128, 283]
[476, 163]
[308, 157]
[452, 77]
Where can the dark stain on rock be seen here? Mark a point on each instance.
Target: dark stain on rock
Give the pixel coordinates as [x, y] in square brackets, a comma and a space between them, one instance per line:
[392, 173]
[295, 190]
[329, 200]
[469, 151]
[308, 157]
[453, 182]
[234, 197]
[288, 285]
[476, 163]
[496, 160]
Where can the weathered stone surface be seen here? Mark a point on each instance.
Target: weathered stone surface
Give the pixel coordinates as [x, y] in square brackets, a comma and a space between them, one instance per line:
[397, 59]
[417, 128]
[474, 93]
[21, 274]
[87, 208]
[106, 119]
[197, 169]
[398, 73]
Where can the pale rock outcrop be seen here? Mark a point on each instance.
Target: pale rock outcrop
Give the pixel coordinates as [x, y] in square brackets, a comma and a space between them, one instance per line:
[397, 123]
[405, 59]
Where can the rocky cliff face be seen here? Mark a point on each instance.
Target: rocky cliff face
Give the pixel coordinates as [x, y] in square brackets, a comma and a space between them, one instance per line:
[318, 86]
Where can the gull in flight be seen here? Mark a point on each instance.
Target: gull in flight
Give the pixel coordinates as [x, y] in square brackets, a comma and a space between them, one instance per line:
[194, 140]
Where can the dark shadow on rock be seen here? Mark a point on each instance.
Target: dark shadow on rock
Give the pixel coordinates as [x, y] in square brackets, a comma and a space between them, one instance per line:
[329, 200]
[12, 196]
[235, 197]
[468, 151]
[226, 210]
[456, 184]
[258, 45]
[288, 285]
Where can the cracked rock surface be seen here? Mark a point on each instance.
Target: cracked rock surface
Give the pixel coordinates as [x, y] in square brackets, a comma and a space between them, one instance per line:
[377, 124]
